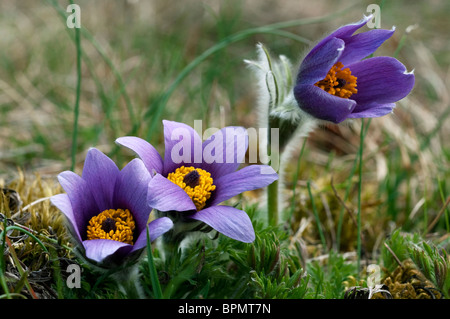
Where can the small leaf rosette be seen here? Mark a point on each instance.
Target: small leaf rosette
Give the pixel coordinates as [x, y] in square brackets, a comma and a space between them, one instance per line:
[195, 177]
[107, 209]
[335, 81]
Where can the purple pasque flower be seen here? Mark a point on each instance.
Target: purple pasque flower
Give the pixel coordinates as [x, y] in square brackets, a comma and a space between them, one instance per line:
[107, 208]
[335, 82]
[195, 177]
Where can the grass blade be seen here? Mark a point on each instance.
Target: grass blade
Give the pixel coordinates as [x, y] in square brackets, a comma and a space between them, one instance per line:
[23, 273]
[363, 133]
[77, 98]
[29, 234]
[153, 274]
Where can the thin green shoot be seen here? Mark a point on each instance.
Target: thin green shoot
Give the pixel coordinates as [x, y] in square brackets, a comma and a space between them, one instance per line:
[29, 234]
[442, 193]
[77, 98]
[363, 133]
[152, 269]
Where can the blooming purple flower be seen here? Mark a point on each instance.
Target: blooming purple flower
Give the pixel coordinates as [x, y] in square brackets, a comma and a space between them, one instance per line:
[335, 82]
[195, 177]
[107, 208]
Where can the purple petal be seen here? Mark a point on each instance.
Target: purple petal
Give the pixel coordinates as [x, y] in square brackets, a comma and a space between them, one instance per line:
[100, 173]
[381, 80]
[372, 110]
[99, 249]
[146, 152]
[246, 179]
[319, 61]
[62, 202]
[224, 151]
[344, 33]
[323, 105]
[183, 146]
[156, 228]
[164, 196]
[81, 199]
[229, 221]
[363, 44]
[131, 192]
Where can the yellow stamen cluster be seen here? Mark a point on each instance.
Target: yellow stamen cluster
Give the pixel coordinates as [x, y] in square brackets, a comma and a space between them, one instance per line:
[339, 82]
[114, 224]
[196, 182]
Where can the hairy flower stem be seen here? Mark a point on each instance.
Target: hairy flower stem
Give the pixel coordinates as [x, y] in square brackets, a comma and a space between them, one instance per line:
[294, 126]
[272, 189]
[128, 281]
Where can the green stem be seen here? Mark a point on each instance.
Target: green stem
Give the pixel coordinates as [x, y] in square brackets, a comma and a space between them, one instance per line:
[77, 101]
[152, 269]
[29, 234]
[442, 192]
[272, 189]
[360, 155]
[272, 203]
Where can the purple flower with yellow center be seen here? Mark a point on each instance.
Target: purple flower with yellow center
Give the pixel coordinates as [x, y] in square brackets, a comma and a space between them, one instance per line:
[107, 209]
[195, 176]
[335, 82]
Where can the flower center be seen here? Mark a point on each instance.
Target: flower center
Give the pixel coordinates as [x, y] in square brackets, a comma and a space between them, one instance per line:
[114, 224]
[339, 82]
[196, 182]
[192, 179]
